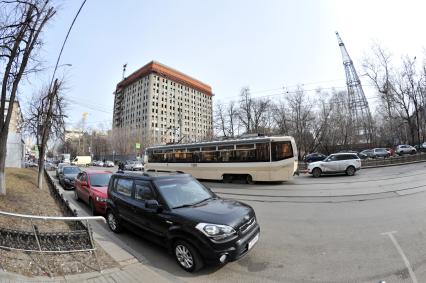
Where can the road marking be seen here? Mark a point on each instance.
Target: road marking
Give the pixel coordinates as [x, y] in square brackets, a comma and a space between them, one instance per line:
[404, 258]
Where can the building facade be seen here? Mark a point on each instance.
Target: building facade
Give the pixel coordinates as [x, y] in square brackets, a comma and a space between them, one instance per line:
[162, 105]
[15, 151]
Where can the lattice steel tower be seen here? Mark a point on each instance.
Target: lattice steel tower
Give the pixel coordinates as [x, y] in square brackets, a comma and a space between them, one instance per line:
[358, 104]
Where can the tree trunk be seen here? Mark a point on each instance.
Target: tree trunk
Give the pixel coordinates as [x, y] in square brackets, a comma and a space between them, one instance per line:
[3, 149]
[41, 154]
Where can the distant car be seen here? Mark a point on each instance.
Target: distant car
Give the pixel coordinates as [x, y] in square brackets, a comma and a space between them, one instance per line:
[59, 168]
[50, 166]
[405, 149]
[381, 152]
[91, 187]
[109, 164]
[100, 163]
[347, 163]
[314, 157]
[68, 175]
[369, 153]
[137, 166]
[420, 147]
[361, 155]
[129, 165]
[29, 164]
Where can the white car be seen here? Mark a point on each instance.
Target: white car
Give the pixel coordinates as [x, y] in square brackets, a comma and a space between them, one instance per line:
[405, 149]
[347, 163]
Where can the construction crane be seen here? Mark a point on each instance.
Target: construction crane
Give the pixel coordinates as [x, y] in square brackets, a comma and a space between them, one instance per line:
[357, 102]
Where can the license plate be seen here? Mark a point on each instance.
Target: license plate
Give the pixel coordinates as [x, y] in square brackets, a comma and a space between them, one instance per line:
[253, 241]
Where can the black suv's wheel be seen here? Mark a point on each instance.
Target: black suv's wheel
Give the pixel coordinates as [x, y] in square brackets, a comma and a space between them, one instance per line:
[113, 222]
[187, 256]
[316, 172]
[350, 171]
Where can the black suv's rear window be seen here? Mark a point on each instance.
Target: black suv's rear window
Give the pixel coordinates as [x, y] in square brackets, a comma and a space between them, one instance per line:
[124, 187]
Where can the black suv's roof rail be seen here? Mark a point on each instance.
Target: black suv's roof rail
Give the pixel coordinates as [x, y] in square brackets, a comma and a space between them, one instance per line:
[164, 171]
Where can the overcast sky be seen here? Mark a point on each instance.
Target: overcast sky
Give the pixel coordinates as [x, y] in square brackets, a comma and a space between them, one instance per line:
[228, 44]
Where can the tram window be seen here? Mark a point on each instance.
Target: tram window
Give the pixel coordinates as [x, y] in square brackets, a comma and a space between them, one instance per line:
[208, 148]
[281, 150]
[226, 156]
[208, 156]
[262, 152]
[245, 146]
[245, 155]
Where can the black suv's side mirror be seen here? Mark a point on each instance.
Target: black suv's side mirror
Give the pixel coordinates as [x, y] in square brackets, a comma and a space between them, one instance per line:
[153, 204]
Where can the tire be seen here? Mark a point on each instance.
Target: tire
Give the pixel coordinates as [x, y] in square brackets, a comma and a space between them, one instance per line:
[92, 207]
[113, 222]
[249, 180]
[413, 152]
[76, 197]
[187, 256]
[316, 172]
[350, 171]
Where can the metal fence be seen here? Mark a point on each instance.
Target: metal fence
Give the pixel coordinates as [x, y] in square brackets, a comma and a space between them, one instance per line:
[37, 234]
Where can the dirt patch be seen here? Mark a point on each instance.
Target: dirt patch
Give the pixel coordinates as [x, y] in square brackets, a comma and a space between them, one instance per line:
[24, 197]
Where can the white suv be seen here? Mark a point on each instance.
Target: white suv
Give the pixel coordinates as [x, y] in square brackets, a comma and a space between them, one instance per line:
[347, 163]
[405, 149]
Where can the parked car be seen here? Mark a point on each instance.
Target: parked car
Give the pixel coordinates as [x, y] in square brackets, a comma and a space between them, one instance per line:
[109, 163]
[100, 163]
[91, 187]
[361, 155]
[177, 211]
[381, 152]
[314, 157]
[59, 168]
[68, 175]
[137, 166]
[420, 147]
[129, 165]
[405, 149]
[29, 164]
[347, 163]
[369, 153]
[50, 166]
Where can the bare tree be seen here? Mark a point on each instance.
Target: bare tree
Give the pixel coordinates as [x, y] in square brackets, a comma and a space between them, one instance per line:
[300, 118]
[245, 110]
[21, 25]
[45, 119]
[220, 121]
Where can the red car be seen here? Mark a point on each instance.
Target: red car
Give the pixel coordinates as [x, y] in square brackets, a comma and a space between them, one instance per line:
[91, 187]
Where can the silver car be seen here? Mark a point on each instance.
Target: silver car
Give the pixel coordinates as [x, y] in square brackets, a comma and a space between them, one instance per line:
[347, 163]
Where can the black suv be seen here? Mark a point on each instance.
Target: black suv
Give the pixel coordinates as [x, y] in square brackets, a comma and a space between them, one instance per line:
[183, 215]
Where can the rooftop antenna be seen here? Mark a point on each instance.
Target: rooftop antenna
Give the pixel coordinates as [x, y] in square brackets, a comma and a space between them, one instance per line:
[124, 69]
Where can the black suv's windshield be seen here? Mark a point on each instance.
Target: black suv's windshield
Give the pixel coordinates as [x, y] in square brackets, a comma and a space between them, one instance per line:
[71, 170]
[180, 192]
[100, 180]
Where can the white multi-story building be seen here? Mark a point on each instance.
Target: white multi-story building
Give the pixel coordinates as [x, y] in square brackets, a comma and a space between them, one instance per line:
[163, 105]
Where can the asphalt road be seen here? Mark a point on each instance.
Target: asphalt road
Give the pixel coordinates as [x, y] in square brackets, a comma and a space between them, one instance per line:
[365, 228]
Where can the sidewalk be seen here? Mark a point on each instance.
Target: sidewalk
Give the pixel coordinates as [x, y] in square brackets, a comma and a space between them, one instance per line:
[135, 272]
[130, 270]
